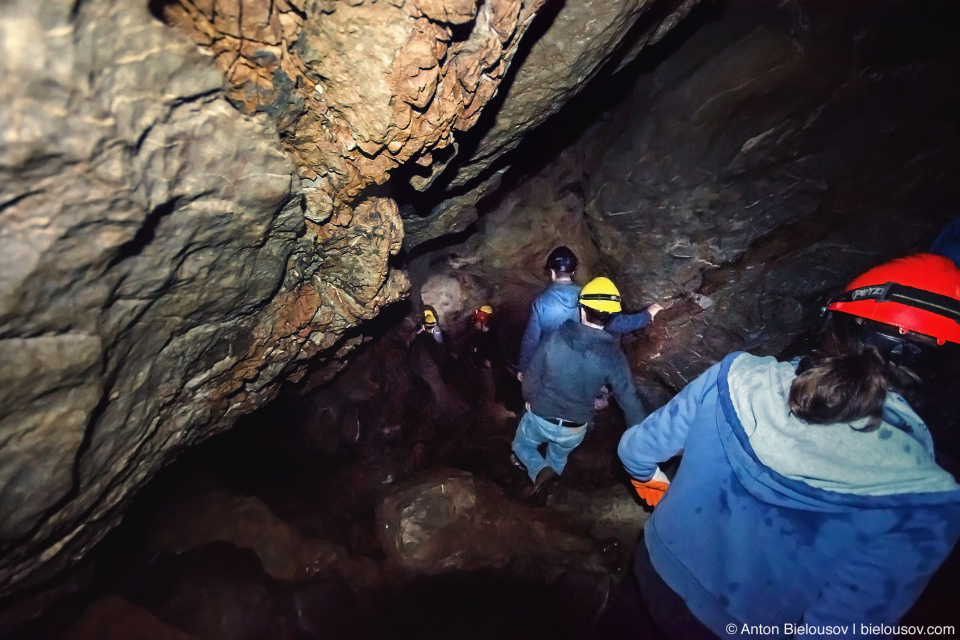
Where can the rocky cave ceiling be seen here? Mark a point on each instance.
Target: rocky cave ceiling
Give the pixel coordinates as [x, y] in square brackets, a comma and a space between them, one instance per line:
[202, 200]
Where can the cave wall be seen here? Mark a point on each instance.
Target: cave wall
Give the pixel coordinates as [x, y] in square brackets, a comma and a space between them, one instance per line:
[145, 228]
[193, 212]
[759, 161]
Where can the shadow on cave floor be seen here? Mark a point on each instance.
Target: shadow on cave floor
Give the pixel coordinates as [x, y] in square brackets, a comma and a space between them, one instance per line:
[368, 506]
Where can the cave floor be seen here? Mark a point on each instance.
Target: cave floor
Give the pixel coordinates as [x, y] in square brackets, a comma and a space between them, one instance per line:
[276, 528]
[362, 509]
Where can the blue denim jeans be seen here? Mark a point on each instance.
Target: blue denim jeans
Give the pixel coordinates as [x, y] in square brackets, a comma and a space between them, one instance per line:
[533, 431]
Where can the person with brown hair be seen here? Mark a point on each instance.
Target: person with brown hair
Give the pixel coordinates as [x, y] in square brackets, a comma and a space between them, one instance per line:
[809, 498]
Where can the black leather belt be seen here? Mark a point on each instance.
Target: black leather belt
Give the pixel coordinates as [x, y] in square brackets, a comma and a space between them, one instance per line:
[564, 423]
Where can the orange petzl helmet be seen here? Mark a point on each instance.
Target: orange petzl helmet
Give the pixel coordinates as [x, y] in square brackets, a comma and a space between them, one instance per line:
[919, 293]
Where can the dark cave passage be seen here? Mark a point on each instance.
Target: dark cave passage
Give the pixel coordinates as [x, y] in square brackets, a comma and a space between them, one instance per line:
[739, 172]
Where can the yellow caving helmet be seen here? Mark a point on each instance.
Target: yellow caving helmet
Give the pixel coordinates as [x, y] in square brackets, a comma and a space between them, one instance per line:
[429, 317]
[600, 294]
[482, 314]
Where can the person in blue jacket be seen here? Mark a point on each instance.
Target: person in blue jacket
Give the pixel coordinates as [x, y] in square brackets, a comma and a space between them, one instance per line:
[947, 243]
[558, 303]
[808, 501]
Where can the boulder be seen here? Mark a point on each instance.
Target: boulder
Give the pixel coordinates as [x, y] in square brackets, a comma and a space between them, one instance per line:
[247, 523]
[451, 520]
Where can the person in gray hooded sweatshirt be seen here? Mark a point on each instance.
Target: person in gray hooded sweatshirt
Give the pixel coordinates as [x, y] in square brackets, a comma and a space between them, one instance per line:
[566, 372]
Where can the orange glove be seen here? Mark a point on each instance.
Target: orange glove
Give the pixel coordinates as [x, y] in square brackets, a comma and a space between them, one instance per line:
[652, 490]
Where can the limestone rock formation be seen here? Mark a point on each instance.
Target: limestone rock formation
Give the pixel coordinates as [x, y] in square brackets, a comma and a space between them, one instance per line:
[158, 275]
[579, 41]
[739, 203]
[190, 214]
[360, 87]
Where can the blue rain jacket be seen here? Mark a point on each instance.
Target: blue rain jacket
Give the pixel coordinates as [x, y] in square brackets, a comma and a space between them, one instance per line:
[557, 304]
[947, 243]
[771, 521]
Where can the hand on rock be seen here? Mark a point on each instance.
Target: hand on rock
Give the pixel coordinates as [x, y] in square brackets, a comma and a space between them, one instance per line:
[654, 309]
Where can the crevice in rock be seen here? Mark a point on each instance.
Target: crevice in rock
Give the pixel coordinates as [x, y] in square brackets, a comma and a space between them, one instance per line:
[145, 234]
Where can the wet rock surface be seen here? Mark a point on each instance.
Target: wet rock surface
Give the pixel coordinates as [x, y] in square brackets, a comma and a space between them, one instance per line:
[191, 213]
[411, 526]
[173, 248]
[717, 190]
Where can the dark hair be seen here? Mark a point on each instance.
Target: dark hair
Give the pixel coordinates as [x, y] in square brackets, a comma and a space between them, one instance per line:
[841, 388]
[597, 317]
[844, 379]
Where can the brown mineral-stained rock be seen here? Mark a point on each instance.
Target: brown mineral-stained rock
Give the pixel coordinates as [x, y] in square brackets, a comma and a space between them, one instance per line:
[157, 275]
[360, 88]
[575, 46]
[447, 11]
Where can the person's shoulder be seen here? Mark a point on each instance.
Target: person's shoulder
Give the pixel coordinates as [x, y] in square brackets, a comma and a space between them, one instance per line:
[559, 290]
[569, 330]
[743, 361]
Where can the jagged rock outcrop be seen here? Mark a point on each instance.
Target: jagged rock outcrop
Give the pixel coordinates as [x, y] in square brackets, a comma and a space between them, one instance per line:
[721, 191]
[159, 276]
[360, 88]
[579, 41]
[182, 227]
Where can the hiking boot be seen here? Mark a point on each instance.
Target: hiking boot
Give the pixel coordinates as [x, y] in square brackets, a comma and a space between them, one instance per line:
[515, 461]
[546, 478]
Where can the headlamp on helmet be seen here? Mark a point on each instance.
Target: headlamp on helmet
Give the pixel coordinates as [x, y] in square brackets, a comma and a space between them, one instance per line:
[919, 294]
[601, 295]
